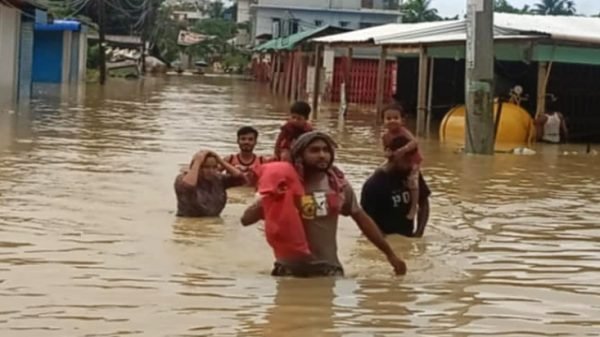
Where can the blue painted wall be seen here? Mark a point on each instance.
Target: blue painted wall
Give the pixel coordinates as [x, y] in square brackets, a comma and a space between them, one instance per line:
[48, 56]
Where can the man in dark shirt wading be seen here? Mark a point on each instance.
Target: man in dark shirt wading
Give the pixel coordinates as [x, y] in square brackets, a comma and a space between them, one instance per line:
[386, 197]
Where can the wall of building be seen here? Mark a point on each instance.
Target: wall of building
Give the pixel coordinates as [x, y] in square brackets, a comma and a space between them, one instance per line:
[10, 27]
[67, 48]
[310, 19]
[48, 57]
[348, 4]
[78, 57]
[243, 11]
[25, 58]
[327, 4]
[83, 47]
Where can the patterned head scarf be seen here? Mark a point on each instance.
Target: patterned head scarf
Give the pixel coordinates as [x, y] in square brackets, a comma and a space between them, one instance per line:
[304, 141]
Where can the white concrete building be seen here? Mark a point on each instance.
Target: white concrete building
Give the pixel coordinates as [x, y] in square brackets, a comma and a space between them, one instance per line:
[10, 28]
[17, 21]
[243, 11]
[275, 18]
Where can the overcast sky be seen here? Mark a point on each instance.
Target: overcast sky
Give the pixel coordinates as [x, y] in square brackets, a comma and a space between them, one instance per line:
[453, 7]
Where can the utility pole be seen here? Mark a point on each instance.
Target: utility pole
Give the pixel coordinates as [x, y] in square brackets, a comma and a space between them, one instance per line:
[144, 35]
[479, 83]
[101, 43]
[143, 57]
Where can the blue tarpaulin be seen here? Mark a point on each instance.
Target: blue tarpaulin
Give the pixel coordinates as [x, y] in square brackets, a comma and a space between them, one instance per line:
[59, 25]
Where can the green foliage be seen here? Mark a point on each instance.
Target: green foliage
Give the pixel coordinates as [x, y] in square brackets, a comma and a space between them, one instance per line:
[419, 11]
[92, 56]
[58, 8]
[503, 6]
[555, 7]
[243, 26]
[220, 32]
[215, 9]
[222, 29]
[236, 60]
[451, 18]
[153, 20]
[163, 36]
[92, 75]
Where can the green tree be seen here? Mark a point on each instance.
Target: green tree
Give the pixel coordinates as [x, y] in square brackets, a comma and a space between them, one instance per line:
[555, 7]
[163, 36]
[450, 18]
[58, 8]
[122, 16]
[220, 31]
[215, 9]
[503, 6]
[220, 28]
[419, 11]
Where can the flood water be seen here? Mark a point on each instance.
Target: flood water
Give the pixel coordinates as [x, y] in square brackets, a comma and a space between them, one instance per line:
[90, 245]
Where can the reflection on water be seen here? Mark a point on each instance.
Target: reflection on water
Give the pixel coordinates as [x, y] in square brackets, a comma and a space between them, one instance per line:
[90, 246]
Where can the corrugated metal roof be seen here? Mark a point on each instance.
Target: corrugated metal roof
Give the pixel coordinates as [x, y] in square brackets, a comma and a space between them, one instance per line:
[446, 32]
[570, 28]
[506, 26]
[449, 38]
[368, 34]
[290, 42]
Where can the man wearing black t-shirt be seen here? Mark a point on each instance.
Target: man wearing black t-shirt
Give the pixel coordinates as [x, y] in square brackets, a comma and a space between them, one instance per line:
[386, 197]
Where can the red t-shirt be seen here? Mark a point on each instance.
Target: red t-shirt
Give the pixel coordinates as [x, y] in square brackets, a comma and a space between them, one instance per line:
[280, 188]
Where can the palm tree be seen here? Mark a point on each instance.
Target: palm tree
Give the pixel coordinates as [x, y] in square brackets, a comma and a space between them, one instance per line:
[503, 6]
[419, 11]
[555, 7]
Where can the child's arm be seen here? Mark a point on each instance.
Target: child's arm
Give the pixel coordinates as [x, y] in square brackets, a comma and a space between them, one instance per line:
[413, 144]
[384, 143]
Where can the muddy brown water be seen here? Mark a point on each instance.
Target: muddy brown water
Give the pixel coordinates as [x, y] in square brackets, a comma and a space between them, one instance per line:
[90, 246]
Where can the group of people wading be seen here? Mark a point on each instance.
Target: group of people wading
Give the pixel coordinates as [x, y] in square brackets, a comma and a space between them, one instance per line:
[303, 193]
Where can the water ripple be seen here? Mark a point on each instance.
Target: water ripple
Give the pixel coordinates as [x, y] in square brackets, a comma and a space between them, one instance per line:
[90, 245]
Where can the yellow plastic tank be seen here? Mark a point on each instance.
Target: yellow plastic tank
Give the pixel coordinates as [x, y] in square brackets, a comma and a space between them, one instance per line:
[516, 128]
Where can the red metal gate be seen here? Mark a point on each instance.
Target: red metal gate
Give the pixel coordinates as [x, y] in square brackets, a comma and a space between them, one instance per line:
[363, 80]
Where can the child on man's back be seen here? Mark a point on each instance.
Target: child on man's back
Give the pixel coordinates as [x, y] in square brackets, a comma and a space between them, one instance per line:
[395, 127]
[296, 126]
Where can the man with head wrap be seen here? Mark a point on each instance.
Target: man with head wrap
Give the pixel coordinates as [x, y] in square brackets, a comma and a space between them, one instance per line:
[327, 196]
